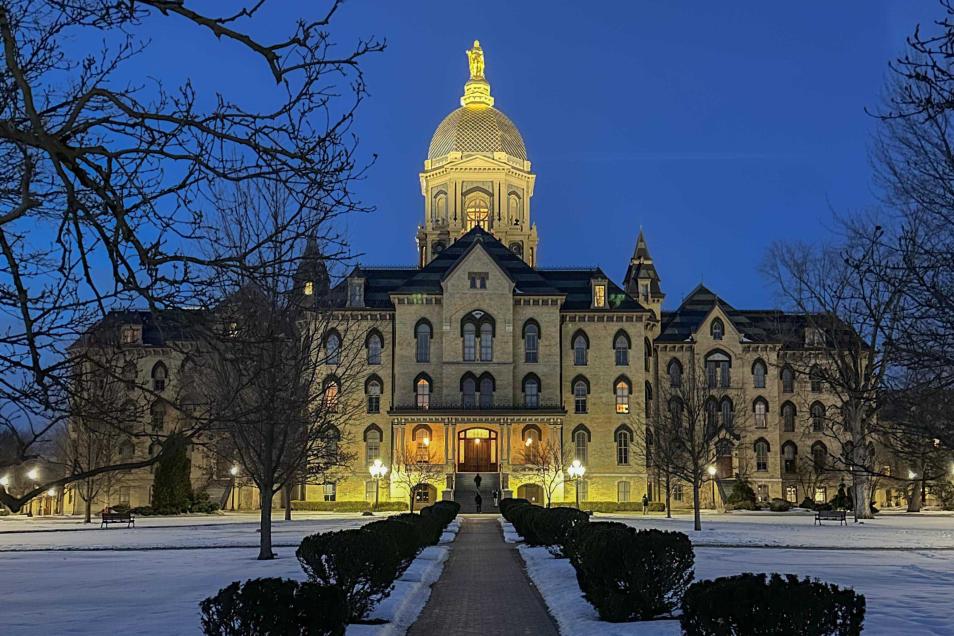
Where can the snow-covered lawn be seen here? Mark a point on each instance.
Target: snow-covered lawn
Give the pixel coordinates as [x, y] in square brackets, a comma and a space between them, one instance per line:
[907, 592]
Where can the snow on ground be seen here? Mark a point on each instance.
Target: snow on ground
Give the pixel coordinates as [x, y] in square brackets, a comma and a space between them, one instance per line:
[798, 529]
[906, 592]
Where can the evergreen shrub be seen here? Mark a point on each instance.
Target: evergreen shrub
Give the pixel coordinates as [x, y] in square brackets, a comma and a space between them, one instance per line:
[551, 525]
[172, 485]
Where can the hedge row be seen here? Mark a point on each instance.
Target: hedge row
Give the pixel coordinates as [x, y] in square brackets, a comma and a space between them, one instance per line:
[613, 506]
[350, 571]
[348, 506]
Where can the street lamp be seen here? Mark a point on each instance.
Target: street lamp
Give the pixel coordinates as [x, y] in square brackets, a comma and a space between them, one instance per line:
[233, 471]
[5, 481]
[912, 474]
[377, 470]
[577, 470]
[712, 473]
[34, 474]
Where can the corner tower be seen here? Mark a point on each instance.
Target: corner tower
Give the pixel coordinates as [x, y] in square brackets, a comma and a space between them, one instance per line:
[477, 173]
[642, 280]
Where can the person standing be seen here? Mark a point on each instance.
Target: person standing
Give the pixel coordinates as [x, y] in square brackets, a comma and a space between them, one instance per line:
[645, 503]
[496, 495]
[478, 500]
[477, 480]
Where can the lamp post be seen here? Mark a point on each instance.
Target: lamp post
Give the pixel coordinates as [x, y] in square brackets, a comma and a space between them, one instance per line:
[377, 470]
[576, 471]
[233, 471]
[712, 473]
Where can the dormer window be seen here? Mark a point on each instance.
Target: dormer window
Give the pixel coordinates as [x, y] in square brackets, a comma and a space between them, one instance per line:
[478, 280]
[717, 329]
[356, 291]
[644, 291]
[129, 335]
[309, 288]
[599, 294]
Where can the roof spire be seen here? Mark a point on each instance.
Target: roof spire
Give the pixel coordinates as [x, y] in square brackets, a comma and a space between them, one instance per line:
[642, 250]
[477, 89]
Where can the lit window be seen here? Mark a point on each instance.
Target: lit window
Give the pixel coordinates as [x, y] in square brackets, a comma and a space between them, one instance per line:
[372, 441]
[599, 296]
[331, 397]
[477, 212]
[622, 397]
[374, 396]
[423, 394]
[579, 396]
[761, 455]
[309, 288]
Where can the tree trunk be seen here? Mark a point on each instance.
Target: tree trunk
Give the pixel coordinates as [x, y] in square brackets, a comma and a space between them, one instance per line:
[668, 496]
[88, 500]
[914, 498]
[861, 498]
[412, 500]
[288, 497]
[696, 512]
[265, 527]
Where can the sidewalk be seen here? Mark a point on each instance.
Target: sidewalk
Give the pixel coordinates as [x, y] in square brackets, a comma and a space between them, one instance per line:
[483, 590]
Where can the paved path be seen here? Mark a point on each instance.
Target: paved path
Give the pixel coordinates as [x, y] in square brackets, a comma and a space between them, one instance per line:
[483, 590]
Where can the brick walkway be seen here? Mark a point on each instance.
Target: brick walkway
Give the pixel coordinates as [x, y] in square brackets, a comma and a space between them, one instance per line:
[483, 590]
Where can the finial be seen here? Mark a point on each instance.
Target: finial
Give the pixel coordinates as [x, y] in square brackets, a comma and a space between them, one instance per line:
[477, 89]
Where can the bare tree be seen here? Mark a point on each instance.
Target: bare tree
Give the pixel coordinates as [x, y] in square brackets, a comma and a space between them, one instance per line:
[105, 185]
[415, 468]
[663, 452]
[546, 462]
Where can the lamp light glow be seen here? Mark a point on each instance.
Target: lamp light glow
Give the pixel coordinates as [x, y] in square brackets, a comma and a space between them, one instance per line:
[712, 471]
[912, 474]
[234, 470]
[5, 481]
[33, 474]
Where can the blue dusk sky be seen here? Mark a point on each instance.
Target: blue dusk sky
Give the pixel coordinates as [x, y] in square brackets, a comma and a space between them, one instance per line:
[717, 127]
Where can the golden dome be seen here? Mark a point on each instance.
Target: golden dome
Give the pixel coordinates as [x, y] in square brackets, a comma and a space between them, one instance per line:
[477, 127]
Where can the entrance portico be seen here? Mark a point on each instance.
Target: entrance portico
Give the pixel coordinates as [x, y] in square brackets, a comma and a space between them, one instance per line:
[477, 451]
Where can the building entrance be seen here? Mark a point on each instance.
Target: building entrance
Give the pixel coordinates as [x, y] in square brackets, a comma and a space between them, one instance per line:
[477, 451]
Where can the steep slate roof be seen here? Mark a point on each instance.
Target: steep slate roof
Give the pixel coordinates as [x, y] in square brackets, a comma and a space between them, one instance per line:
[575, 283]
[158, 329]
[678, 325]
[641, 268]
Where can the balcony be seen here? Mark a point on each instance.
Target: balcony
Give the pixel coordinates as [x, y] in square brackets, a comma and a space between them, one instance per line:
[499, 407]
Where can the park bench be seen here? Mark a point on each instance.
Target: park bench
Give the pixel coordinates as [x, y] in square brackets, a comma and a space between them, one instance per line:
[831, 515]
[108, 517]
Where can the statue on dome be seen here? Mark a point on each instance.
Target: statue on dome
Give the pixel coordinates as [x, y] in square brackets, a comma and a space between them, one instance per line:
[475, 58]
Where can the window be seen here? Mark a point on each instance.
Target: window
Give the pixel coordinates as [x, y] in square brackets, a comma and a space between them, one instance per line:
[477, 212]
[727, 414]
[329, 492]
[126, 450]
[470, 342]
[331, 396]
[486, 392]
[788, 417]
[468, 392]
[761, 413]
[159, 375]
[581, 441]
[622, 396]
[530, 435]
[128, 336]
[531, 392]
[332, 348]
[370, 490]
[763, 492]
[422, 332]
[674, 369]
[623, 438]
[677, 493]
[599, 296]
[717, 329]
[486, 342]
[422, 444]
[644, 292]
[791, 494]
[712, 416]
[818, 417]
[648, 398]
[789, 452]
[622, 491]
[374, 349]
[821, 494]
[580, 391]
[758, 374]
[374, 396]
[531, 342]
[815, 379]
[647, 354]
[621, 349]
[129, 375]
[819, 456]
[718, 366]
[124, 495]
[372, 444]
[309, 288]
[422, 393]
[580, 346]
[761, 455]
[478, 280]
[157, 413]
[788, 380]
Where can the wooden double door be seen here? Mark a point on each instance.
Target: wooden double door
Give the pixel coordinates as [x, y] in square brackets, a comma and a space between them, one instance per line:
[477, 451]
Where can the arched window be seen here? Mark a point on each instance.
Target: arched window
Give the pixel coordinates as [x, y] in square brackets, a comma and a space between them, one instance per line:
[486, 342]
[788, 379]
[126, 450]
[761, 454]
[157, 416]
[440, 207]
[674, 369]
[487, 386]
[516, 210]
[375, 343]
[727, 414]
[332, 389]
[468, 391]
[712, 416]
[422, 333]
[372, 389]
[372, 444]
[531, 391]
[332, 348]
[760, 408]
[648, 399]
[647, 354]
[622, 389]
[129, 375]
[470, 342]
[581, 345]
[581, 389]
[422, 442]
[819, 456]
[624, 437]
[159, 375]
[530, 435]
[718, 366]
[422, 392]
[758, 374]
[531, 341]
[815, 379]
[818, 417]
[789, 454]
[788, 417]
[717, 329]
[621, 348]
[477, 212]
[332, 439]
[581, 443]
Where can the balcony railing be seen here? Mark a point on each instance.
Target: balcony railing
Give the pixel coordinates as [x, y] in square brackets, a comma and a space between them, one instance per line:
[498, 406]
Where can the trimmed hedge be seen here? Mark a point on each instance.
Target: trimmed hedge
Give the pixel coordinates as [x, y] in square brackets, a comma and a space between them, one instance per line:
[551, 526]
[405, 536]
[348, 506]
[363, 564]
[780, 505]
[613, 506]
[275, 607]
[429, 526]
[781, 605]
[575, 536]
[628, 575]
[507, 504]
[522, 517]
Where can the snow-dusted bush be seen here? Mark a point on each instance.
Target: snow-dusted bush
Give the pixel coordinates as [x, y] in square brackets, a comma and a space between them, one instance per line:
[628, 575]
[779, 505]
[522, 516]
[363, 564]
[551, 526]
[275, 607]
[781, 605]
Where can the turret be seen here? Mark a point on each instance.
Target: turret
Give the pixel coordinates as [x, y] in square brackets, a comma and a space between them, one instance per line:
[642, 280]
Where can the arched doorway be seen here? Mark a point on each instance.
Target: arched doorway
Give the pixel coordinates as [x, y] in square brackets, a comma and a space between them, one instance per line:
[477, 451]
[531, 492]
